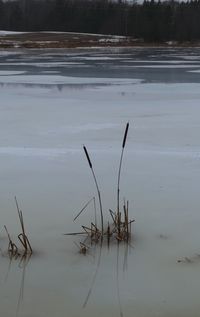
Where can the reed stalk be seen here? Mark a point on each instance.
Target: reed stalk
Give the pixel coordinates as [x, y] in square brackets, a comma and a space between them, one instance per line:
[119, 172]
[97, 187]
[12, 248]
[84, 207]
[22, 236]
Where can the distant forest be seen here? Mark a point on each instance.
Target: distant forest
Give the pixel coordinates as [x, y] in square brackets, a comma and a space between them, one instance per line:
[152, 21]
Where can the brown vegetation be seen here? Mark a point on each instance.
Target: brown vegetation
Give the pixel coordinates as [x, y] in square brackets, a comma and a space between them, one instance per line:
[37, 40]
[13, 249]
[62, 40]
[119, 227]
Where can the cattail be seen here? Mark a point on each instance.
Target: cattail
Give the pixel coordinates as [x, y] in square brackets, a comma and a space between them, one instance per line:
[87, 155]
[125, 135]
[119, 172]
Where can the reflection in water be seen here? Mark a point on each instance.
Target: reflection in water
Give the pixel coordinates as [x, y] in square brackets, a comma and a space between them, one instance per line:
[22, 265]
[118, 290]
[121, 246]
[20, 255]
[94, 276]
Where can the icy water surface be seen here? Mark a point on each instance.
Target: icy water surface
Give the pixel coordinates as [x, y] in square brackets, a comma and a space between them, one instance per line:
[149, 64]
[51, 103]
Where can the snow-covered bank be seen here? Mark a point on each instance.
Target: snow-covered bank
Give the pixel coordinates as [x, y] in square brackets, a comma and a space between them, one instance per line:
[12, 39]
[4, 33]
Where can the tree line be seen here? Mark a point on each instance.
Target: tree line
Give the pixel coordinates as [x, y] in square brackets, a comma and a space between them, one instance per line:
[152, 21]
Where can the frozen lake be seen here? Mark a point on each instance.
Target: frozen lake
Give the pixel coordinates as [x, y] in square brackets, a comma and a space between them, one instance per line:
[51, 103]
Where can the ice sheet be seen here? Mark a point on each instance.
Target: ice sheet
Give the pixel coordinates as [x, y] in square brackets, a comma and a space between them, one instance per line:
[42, 132]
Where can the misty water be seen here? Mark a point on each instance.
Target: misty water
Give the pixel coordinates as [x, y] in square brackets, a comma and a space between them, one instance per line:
[51, 103]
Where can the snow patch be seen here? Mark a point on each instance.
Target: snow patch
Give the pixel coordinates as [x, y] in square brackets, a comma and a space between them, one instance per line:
[10, 72]
[58, 79]
[4, 33]
[194, 71]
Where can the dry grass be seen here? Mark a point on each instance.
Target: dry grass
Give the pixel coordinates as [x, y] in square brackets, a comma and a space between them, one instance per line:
[25, 251]
[37, 40]
[63, 40]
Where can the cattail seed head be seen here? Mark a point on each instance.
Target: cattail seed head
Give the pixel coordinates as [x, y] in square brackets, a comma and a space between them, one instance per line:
[87, 155]
[125, 135]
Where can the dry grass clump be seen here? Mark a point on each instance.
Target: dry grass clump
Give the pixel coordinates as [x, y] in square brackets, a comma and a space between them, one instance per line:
[119, 226]
[25, 249]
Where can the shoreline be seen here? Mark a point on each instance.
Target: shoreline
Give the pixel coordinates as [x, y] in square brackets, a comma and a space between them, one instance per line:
[51, 40]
